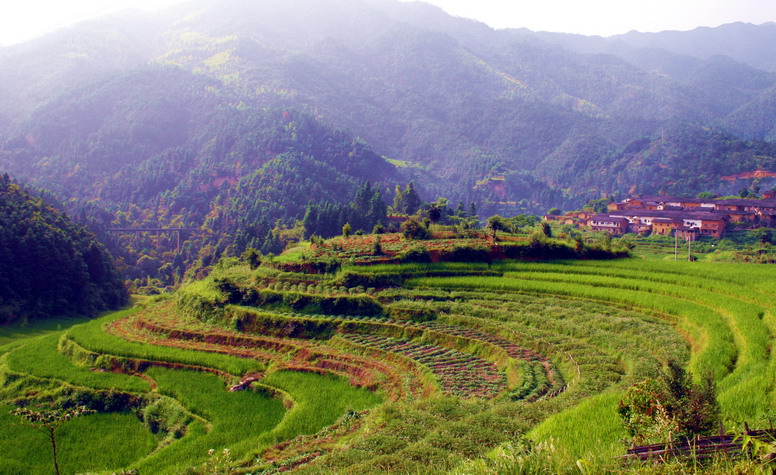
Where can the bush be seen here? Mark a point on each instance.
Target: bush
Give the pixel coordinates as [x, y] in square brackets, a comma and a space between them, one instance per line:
[464, 253]
[165, 415]
[414, 229]
[415, 254]
[656, 410]
[412, 310]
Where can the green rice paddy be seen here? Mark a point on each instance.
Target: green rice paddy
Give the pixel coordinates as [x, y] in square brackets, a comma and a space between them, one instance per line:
[570, 337]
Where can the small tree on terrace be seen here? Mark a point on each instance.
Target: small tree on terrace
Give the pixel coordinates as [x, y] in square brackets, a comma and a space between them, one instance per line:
[252, 257]
[657, 410]
[414, 229]
[48, 422]
[496, 223]
[546, 229]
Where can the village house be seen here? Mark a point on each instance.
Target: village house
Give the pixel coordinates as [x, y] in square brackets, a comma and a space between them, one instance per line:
[708, 223]
[665, 226]
[611, 224]
[687, 217]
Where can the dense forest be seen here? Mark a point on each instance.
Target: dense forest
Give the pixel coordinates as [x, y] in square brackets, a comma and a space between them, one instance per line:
[50, 266]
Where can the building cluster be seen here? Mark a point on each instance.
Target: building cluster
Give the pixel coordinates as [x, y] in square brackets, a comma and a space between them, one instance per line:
[671, 215]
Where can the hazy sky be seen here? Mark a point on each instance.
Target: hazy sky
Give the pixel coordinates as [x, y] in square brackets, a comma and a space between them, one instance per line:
[25, 19]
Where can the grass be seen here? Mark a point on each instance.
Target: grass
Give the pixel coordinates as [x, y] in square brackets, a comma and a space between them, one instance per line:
[247, 422]
[319, 401]
[600, 326]
[590, 431]
[98, 442]
[93, 337]
[238, 419]
[17, 331]
[726, 311]
[39, 357]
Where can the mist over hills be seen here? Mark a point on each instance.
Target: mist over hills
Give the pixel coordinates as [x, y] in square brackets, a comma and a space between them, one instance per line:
[178, 107]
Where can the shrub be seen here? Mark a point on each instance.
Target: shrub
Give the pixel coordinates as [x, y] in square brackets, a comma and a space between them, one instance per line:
[415, 254]
[412, 310]
[252, 257]
[414, 229]
[464, 253]
[655, 410]
[165, 415]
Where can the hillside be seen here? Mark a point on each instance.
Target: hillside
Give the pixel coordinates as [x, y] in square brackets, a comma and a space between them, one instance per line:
[462, 101]
[50, 266]
[228, 118]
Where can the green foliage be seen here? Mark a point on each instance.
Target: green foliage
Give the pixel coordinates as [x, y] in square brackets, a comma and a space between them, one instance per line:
[466, 253]
[406, 201]
[671, 407]
[164, 415]
[418, 253]
[546, 229]
[48, 264]
[377, 249]
[412, 310]
[497, 223]
[366, 211]
[414, 229]
[252, 257]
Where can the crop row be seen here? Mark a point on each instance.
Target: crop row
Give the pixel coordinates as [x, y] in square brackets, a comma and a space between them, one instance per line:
[458, 373]
[285, 353]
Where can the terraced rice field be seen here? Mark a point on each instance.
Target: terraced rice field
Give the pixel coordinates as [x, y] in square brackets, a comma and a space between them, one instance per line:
[476, 358]
[457, 373]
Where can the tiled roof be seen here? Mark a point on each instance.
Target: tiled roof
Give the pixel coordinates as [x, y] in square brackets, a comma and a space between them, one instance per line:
[605, 217]
[679, 214]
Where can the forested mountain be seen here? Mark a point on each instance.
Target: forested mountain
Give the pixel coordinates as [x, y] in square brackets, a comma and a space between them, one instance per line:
[227, 115]
[50, 266]
[160, 147]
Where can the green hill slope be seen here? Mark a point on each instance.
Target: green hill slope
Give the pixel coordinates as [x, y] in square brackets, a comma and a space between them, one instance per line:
[49, 265]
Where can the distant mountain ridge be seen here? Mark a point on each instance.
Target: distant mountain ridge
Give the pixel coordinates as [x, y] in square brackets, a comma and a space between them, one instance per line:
[742, 42]
[511, 119]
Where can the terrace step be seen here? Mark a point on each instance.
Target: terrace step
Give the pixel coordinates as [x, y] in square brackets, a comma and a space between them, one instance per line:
[458, 373]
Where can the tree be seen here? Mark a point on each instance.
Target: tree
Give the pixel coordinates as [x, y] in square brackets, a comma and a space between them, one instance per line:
[434, 213]
[764, 235]
[346, 230]
[407, 201]
[657, 410]
[554, 212]
[597, 206]
[546, 229]
[48, 422]
[496, 223]
[414, 229]
[252, 257]
[377, 248]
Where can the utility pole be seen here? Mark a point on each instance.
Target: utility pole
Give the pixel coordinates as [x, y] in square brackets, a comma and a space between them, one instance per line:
[689, 249]
[676, 244]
